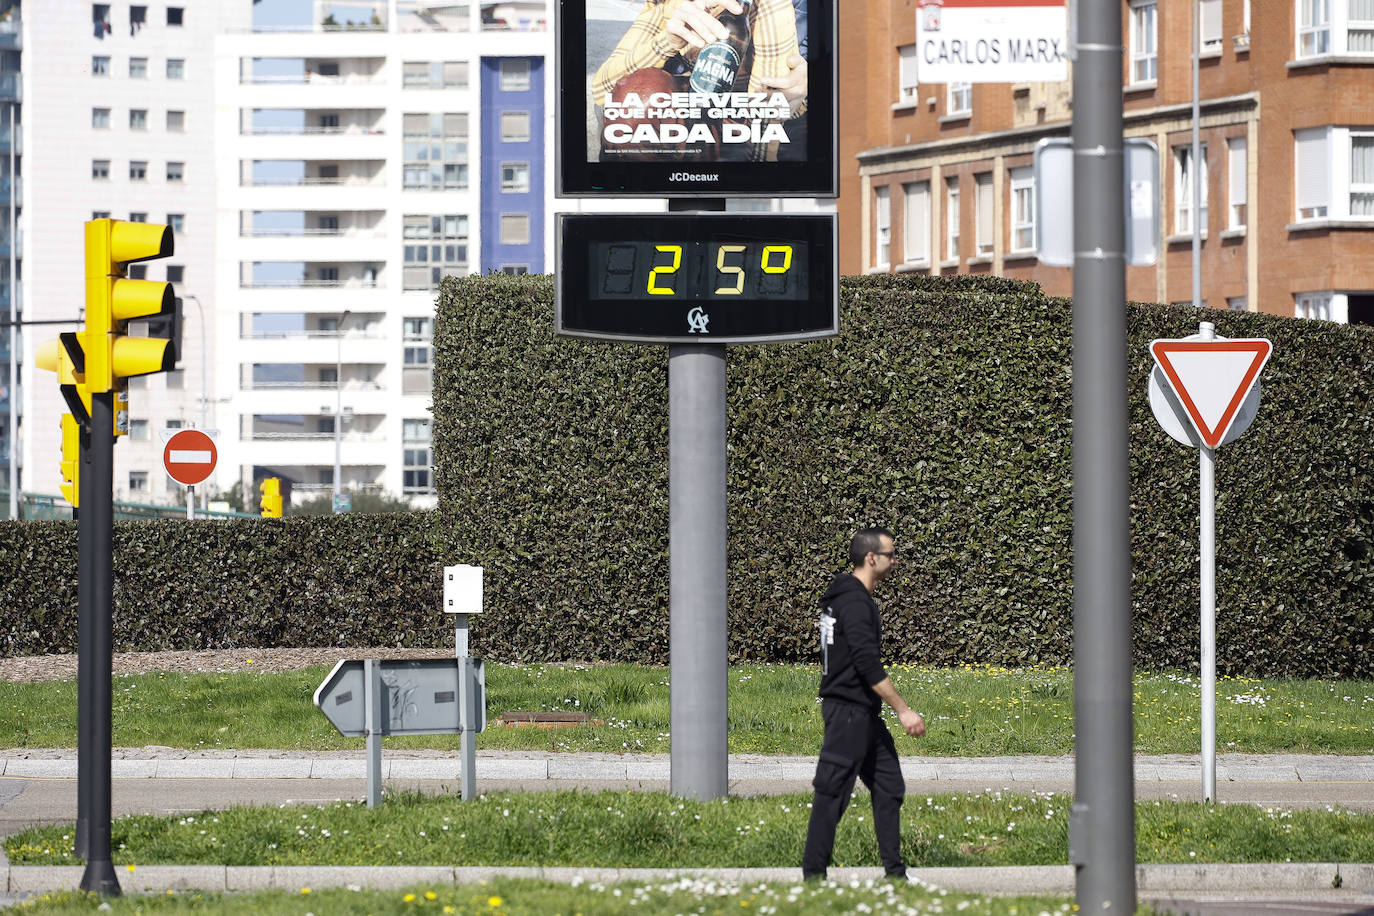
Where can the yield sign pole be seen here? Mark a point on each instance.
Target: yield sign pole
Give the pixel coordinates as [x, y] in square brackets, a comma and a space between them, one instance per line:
[1211, 379]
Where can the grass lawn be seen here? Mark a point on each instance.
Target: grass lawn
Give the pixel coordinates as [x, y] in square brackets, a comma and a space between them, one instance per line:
[970, 711]
[539, 898]
[658, 830]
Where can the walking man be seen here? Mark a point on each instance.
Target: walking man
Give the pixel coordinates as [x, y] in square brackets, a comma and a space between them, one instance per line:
[854, 685]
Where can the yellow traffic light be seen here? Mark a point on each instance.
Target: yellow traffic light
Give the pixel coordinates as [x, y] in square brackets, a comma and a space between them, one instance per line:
[113, 300]
[71, 459]
[271, 502]
[65, 356]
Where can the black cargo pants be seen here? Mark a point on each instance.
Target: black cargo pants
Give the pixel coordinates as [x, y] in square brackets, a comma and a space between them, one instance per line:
[856, 744]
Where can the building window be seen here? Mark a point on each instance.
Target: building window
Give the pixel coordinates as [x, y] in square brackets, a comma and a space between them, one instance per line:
[515, 74]
[1361, 174]
[176, 171]
[100, 214]
[425, 74]
[1144, 58]
[138, 18]
[1236, 303]
[138, 67]
[908, 92]
[435, 247]
[1312, 181]
[882, 228]
[138, 171]
[100, 118]
[137, 271]
[138, 119]
[138, 430]
[515, 126]
[417, 336]
[100, 16]
[1314, 27]
[177, 221]
[416, 438]
[1209, 25]
[1183, 189]
[176, 68]
[176, 381]
[138, 481]
[916, 222]
[983, 228]
[515, 270]
[176, 16]
[959, 99]
[515, 229]
[176, 122]
[1313, 305]
[1235, 183]
[100, 66]
[515, 176]
[1022, 209]
[952, 218]
[436, 152]
[100, 169]
[176, 273]
[138, 217]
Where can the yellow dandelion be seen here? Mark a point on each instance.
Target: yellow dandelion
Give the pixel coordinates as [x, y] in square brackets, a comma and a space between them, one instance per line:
[430, 895]
[409, 898]
[305, 890]
[493, 901]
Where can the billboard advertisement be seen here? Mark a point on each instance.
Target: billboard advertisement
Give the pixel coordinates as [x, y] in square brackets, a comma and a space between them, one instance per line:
[696, 98]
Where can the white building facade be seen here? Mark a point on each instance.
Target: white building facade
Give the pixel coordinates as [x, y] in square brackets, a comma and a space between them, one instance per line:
[357, 164]
[117, 122]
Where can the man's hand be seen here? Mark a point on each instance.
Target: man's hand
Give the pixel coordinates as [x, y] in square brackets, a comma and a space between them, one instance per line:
[913, 723]
[793, 85]
[694, 25]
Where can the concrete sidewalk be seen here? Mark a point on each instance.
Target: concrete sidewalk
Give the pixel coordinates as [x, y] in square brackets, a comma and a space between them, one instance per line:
[533, 766]
[1304, 879]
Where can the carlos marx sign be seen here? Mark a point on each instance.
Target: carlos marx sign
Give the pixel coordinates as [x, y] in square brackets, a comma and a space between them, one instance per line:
[992, 41]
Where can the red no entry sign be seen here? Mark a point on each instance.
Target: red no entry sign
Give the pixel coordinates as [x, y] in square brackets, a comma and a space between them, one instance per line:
[189, 457]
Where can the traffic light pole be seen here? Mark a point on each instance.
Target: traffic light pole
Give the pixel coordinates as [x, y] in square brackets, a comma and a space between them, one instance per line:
[94, 729]
[85, 631]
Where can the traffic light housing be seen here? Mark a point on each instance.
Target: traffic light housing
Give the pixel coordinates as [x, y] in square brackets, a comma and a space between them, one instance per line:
[113, 300]
[271, 503]
[65, 356]
[71, 459]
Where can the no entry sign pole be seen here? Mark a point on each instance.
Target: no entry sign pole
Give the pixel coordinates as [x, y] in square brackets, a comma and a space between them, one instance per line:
[189, 457]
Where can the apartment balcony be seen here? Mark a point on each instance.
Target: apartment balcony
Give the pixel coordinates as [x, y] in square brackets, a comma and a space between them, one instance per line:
[423, 16]
[12, 32]
[358, 245]
[280, 72]
[6, 137]
[11, 87]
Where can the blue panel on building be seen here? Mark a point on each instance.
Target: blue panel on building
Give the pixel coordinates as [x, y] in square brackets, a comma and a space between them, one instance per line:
[512, 164]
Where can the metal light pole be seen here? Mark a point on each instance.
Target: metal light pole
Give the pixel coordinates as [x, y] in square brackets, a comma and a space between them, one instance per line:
[204, 394]
[338, 411]
[14, 339]
[1102, 820]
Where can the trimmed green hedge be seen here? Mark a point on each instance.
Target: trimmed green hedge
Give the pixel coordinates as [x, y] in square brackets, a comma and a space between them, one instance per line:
[344, 580]
[942, 411]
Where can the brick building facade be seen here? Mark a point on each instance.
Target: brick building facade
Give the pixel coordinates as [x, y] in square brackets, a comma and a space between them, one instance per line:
[937, 178]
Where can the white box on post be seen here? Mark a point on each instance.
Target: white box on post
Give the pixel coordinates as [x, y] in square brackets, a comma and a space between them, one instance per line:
[463, 589]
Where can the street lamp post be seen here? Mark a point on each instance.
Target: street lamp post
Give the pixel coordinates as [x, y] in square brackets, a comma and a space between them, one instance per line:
[338, 411]
[204, 394]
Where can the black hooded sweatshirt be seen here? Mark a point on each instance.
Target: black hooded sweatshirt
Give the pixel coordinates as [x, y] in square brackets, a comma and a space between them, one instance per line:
[853, 662]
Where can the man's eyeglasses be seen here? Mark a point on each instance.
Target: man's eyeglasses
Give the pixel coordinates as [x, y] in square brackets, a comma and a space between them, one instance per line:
[885, 553]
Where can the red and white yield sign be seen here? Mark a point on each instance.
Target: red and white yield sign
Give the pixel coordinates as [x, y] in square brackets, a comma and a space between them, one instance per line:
[1211, 379]
[189, 457]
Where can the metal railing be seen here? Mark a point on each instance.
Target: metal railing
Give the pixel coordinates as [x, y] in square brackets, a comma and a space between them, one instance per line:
[42, 507]
[284, 131]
